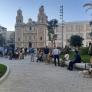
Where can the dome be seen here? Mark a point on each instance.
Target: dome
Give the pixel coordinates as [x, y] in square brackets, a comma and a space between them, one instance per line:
[19, 11]
[30, 20]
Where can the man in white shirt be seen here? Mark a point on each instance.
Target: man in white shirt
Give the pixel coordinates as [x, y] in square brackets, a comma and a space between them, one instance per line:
[66, 57]
[56, 53]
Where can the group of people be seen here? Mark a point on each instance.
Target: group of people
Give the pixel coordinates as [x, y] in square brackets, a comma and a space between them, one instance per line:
[18, 53]
[15, 53]
[46, 54]
[52, 53]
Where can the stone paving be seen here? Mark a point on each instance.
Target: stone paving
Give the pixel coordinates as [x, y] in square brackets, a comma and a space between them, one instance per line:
[26, 76]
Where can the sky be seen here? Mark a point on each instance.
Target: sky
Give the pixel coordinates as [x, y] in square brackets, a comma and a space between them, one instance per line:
[73, 10]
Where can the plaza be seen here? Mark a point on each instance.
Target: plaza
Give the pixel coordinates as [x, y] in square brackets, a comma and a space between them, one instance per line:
[27, 76]
[27, 27]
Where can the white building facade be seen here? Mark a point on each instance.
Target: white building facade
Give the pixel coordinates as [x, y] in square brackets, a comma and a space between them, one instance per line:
[81, 28]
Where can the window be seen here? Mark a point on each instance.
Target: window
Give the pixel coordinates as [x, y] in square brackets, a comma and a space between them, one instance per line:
[30, 28]
[29, 37]
[25, 38]
[34, 37]
[88, 35]
[19, 21]
[42, 19]
[41, 38]
[18, 39]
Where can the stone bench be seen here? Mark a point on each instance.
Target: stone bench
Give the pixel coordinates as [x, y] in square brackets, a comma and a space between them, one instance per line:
[79, 65]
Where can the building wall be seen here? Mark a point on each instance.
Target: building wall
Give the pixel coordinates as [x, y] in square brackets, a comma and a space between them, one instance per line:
[81, 28]
[3, 32]
[10, 37]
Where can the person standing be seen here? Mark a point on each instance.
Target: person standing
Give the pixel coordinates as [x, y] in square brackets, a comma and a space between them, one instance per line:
[56, 53]
[46, 53]
[32, 54]
[90, 48]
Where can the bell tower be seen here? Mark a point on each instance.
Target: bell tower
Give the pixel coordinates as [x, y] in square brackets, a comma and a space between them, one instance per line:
[19, 29]
[42, 32]
[19, 17]
[42, 18]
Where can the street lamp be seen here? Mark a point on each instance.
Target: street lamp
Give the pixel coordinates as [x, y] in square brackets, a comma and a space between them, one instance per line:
[91, 30]
[62, 22]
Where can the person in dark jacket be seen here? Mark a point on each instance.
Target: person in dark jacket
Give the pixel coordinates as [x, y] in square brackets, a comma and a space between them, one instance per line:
[46, 53]
[76, 60]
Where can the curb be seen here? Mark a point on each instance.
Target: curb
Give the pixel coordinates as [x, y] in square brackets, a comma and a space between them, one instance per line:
[5, 75]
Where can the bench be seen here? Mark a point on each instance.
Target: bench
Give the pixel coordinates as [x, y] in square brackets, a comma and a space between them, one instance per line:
[79, 65]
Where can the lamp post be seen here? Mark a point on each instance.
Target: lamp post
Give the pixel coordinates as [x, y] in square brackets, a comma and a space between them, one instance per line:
[91, 30]
[62, 23]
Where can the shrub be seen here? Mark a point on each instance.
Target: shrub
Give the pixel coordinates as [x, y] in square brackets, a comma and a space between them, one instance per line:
[84, 51]
[84, 55]
[85, 58]
[3, 69]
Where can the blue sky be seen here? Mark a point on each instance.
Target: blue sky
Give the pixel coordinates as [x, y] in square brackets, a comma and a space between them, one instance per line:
[73, 10]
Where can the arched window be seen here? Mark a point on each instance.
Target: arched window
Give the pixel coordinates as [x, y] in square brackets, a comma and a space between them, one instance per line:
[20, 21]
[30, 28]
[30, 44]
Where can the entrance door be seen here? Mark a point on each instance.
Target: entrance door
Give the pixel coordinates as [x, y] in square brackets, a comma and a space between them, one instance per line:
[30, 44]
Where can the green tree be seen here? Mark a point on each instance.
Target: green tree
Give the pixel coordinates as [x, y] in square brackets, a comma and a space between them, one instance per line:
[76, 40]
[52, 24]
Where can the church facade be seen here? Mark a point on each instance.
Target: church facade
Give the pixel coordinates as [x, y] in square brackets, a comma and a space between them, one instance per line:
[31, 34]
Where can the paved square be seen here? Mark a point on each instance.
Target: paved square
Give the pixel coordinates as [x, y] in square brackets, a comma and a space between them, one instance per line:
[26, 76]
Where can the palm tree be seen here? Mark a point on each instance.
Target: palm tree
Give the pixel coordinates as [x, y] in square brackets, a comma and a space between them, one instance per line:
[88, 6]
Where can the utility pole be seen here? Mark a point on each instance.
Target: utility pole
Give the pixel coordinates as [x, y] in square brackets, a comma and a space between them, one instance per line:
[62, 22]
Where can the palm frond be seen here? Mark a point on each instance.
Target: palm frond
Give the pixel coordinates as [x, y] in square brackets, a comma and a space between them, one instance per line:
[89, 8]
[87, 4]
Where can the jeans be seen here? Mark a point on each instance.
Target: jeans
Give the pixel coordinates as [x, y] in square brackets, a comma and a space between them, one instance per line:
[56, 57]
